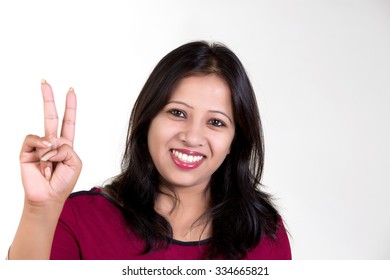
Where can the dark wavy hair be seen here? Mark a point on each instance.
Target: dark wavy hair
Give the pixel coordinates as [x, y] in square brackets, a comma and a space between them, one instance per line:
[240, 212]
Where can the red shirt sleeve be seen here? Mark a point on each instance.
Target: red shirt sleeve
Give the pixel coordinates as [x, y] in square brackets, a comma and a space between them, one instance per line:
[65, 246]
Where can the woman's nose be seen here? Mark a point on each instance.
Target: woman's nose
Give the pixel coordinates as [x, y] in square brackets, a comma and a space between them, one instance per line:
[193, 134]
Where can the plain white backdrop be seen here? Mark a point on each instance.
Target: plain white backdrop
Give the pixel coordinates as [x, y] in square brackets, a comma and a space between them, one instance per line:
[320, 69]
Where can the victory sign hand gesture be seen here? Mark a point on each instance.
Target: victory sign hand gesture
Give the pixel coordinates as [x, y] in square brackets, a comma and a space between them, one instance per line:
[49, 166]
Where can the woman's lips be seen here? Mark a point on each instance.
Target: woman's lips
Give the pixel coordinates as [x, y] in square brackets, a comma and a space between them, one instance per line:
[187, 159]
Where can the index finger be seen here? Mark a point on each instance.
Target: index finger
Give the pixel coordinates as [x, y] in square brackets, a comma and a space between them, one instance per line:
[50, 111]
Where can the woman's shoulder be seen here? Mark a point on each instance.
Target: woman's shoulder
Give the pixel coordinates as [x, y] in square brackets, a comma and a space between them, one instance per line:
[88, 209]
[93, 193]
[90, 200]
[276, 248]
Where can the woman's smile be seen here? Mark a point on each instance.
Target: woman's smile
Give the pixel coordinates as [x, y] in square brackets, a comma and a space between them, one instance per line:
[187, 159]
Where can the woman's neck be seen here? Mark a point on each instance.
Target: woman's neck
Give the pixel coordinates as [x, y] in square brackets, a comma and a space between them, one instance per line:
[184, 208]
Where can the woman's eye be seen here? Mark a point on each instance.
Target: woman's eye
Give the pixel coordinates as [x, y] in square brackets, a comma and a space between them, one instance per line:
[216, 122]
[177, 113]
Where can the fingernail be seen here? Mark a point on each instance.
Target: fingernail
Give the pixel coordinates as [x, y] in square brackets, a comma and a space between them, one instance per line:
[43, 81]
[47, 173]
[48, 155]
[71, 89]
[47, 143]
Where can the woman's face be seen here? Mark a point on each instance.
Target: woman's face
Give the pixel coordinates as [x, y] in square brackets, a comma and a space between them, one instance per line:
[190, 137]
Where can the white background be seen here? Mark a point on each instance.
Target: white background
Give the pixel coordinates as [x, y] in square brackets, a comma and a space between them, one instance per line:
[320, 69]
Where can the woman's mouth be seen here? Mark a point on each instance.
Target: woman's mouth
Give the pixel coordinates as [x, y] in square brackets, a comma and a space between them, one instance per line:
[187, 159]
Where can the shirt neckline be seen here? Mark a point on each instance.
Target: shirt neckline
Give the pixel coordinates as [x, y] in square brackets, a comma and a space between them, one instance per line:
[99, 191]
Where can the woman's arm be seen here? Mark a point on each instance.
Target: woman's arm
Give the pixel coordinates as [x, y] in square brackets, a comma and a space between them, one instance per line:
[49, 169]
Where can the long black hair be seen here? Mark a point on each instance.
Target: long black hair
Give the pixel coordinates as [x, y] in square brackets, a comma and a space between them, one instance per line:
[240, 212]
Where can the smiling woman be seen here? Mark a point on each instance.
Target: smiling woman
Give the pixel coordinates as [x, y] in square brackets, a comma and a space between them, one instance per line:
[190, 185]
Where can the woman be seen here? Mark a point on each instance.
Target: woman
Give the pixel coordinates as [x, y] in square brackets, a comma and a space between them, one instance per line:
[190, 181]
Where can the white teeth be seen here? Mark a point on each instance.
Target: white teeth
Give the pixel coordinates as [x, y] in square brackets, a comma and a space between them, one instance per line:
[185, 157]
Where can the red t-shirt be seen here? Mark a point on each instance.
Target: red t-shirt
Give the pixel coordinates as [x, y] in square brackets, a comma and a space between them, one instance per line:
[92, 226]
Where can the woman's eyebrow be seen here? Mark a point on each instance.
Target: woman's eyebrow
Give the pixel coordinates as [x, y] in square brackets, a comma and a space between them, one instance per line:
[211, 111]
[181, 102]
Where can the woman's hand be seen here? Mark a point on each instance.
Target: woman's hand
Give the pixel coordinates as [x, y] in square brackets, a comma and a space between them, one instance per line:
[49, 166]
